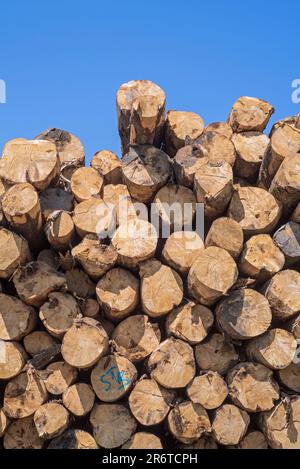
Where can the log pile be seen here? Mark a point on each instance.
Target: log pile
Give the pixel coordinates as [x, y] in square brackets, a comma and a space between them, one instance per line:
[114, 334]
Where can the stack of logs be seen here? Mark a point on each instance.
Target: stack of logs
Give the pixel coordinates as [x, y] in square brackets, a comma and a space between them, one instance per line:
[130, 340]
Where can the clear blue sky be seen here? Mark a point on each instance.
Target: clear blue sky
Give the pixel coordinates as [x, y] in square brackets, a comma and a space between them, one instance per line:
[64, 60]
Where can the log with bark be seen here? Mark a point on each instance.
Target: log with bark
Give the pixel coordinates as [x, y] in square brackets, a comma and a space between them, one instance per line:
[141, 113]
[115, 333]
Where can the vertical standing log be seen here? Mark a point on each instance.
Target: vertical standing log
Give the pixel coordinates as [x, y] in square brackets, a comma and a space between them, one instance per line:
[141, 113]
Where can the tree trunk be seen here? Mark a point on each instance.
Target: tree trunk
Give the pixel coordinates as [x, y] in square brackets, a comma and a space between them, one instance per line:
[60, 376]
[113, 377]
[22, 210]
[175, 208]
[60, 230]
[79, 399]
[95, 258]
[14, 252]
[150, 403]
[16, 318]
[112, 425]
[51, 420]
[216, 354]
[187, 422]
[22, 434]
[229, 425]
[243, 314]
[181, 249]
[172, 364]
[211, 276]
[286, 184]
[143, 440]
[145, 170]
[93, 217]
[213, 185]
[252, 387]
[24, 394]
[12, 360]
[134, 242]
[86, 183]
[281, 425]
[136, 337]
[186, 163]
[208, 389]
[69, 148]
[250, 114]
[181, 126]
[29, 161]
[161, 288]
[74, 345]
[275, 349]
[108, 166]
[232, 242]
[59, 313]
[190, 322]
[285, 142]
[261, 259]
[36, 280]
[283, 294]
[254, 209]
[118, 293]
[73, 439]
[251, 148]
[141, 113]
